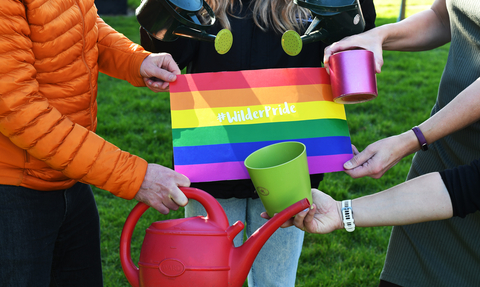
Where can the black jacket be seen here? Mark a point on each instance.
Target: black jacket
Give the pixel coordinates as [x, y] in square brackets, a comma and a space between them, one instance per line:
[463, 185]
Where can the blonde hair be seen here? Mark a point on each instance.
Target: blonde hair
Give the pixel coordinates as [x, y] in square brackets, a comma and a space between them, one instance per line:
[280, 15]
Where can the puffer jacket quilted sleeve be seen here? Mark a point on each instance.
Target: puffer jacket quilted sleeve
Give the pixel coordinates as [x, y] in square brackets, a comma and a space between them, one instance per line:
[113, 44]
[48, 82]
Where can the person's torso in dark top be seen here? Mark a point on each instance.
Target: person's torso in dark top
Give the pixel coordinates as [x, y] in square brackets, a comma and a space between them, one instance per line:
[463, 183]
[252, 49]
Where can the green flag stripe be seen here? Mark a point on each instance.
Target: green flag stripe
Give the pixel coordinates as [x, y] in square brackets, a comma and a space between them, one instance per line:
[259, 132]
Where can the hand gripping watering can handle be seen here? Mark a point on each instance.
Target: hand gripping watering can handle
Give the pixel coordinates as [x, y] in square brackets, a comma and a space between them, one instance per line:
[214, 212]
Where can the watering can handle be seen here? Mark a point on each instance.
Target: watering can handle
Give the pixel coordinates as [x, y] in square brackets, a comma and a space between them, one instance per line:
[211, 205]
[329, 9]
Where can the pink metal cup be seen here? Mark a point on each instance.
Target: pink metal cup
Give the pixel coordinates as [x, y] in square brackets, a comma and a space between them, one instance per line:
[352, 76]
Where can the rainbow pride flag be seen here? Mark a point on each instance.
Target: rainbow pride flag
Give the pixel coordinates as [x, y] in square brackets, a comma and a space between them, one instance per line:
[218, 119]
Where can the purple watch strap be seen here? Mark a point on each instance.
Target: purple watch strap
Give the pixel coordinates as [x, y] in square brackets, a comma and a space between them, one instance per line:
[421, 138]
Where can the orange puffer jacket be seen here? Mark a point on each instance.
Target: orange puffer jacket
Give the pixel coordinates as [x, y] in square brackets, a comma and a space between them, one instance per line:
[50, 54]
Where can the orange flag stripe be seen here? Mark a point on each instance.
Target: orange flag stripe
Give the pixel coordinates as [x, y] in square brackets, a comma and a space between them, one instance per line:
[253, 96]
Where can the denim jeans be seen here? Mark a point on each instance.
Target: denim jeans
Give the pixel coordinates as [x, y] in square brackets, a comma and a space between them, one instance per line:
[49, 238]
[277, 262]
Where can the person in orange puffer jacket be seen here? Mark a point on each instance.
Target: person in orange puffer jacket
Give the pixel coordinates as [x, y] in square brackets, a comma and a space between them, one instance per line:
[50, 54]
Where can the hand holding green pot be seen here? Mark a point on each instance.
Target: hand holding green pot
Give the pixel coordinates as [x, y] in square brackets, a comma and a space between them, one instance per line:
[280, 175]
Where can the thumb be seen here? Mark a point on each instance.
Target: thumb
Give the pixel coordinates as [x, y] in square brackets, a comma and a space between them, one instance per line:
[356, 161]
[169, 64]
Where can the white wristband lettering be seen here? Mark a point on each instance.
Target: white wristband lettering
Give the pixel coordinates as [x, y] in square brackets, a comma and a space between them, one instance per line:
[347, 215]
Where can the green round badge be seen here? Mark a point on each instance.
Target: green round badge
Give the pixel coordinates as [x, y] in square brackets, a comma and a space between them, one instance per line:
[292, 43]
[223, 41]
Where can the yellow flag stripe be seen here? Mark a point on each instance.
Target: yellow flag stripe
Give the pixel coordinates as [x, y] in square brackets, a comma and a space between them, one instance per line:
[257, 114]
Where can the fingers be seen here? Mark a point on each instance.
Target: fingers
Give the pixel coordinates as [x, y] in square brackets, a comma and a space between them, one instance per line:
[160, 208]
[166, 203]
[158, 70]
[357, 160]
[163, 75]
[377, 158]
[299, 218]
[156, 85]
[357, 172]
[335, 48]
[164, 208]
[368, 41]
[170, 65]
[362, 158]
[310, 216]
[161, 204]
[304, 219]
[326, 56]
[322, 217]
[363, 164]
[179, 198]
[171, 204]
[162, 61]
[378, 63]
[160, 189]
[351, 164]
[368, 168]
[149, 198]
[355, 150]
[176, 196]
[288, 223]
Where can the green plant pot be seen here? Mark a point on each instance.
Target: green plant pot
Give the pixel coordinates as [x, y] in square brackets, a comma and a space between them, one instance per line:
[280, 175]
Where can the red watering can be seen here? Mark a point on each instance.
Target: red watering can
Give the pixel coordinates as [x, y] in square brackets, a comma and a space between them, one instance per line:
[195, 251]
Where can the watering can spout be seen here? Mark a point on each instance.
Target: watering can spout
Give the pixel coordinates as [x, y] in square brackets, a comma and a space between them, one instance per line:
[187, 32]
[243, 256]
[166, 20]
[314, 37]
[333, 20]
[314, 33]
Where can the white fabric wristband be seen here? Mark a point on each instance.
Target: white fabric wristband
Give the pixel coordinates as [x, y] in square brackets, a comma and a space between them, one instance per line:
[347, 215]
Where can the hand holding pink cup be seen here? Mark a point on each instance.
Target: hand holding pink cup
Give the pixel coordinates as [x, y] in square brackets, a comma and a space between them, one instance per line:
[352, 76]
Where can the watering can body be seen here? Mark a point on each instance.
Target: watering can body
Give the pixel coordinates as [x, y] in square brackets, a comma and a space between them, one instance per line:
[195, 251]
[170, 258]
[332, 21]
[166, 20]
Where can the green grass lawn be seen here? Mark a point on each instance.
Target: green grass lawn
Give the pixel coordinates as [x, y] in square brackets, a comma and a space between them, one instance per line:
[138, 120]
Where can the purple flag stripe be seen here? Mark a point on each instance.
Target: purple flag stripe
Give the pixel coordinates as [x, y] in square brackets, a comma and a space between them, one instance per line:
[236, 170]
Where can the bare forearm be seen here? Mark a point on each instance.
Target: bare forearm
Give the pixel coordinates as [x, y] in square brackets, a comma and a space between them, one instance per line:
[422, 31]
[456, 115]
[459, 113]
[421, 199]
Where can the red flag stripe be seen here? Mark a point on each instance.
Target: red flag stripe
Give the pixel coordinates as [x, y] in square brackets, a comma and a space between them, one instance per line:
[251, 79]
